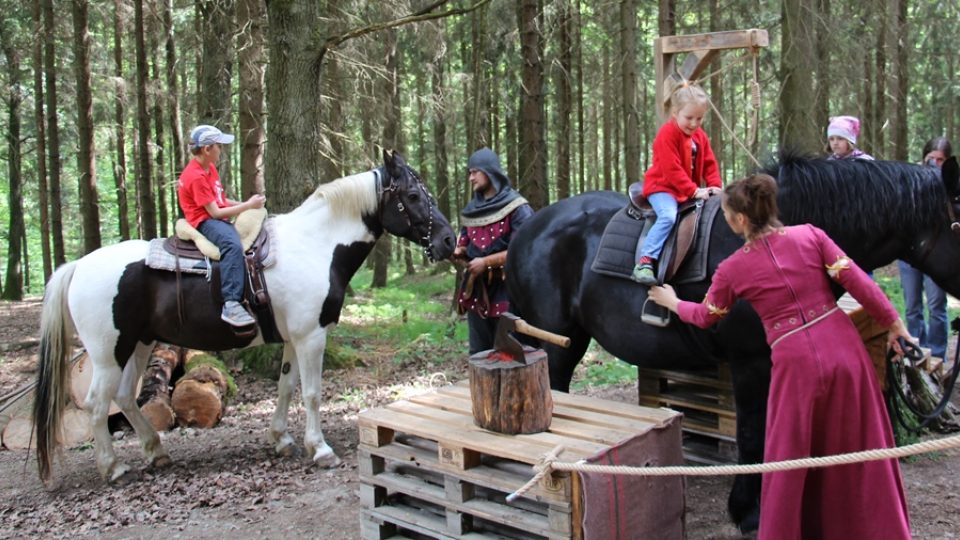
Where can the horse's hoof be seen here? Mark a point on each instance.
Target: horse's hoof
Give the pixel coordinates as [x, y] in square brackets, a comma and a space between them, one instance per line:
[750, 523]
[122, 475]
[325, 458]
[288, 450]
[161, 462]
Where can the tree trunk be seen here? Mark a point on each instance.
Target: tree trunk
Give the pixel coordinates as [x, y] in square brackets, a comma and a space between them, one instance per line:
[607, 104]
[251, 56]
[564, 99]
[13, 283]
[715, 130]
[439, 108]
[173, 86]
[392, 138]
[880, 75]
[508, 396]
[214, 103]
[823, 46]
[667, 22]
[797, 127]
[900, 149]
[53, 133]
[293, 84]
[89, 203]
[148, 208]
[581, 128]
[120, 119]
[628, 73]
[533, 149]
[161, 169]
[41, 163]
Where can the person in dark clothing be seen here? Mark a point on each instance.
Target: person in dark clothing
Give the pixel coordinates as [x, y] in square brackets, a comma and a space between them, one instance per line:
[489, 220]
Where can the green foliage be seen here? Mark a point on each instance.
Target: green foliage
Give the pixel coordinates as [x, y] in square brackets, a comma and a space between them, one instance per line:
[599, 368]
[263, 361]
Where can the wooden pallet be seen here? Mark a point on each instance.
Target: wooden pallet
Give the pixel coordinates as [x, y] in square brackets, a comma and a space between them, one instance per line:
[427, 471]
[704, 397]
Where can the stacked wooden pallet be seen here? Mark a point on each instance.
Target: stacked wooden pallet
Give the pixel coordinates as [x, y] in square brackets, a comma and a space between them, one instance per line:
[706, 400]
[428, 472]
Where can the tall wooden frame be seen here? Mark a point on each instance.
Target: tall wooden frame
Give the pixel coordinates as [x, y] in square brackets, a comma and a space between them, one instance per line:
[701, 49]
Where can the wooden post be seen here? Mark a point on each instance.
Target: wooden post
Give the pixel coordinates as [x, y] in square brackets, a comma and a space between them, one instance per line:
[701, 49]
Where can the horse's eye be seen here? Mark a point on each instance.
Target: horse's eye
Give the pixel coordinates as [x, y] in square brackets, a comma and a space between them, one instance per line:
[414, 197]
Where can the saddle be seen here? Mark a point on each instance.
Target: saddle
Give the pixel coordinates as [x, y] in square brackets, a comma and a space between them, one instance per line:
[684, 256]
[192, 253]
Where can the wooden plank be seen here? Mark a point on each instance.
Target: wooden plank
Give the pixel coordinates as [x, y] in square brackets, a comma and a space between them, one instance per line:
[458, 435]
[690, 377]
[487, 476]
[614, 409]
[733, 39]
[488, 510]
[459, 431]
[567, 421]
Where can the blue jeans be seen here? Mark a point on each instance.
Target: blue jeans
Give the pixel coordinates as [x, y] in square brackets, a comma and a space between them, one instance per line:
[933, 333]
[225, 236]
[666, 208]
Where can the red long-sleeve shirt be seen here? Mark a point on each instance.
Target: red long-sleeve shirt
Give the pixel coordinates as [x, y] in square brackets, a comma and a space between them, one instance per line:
[673, 163]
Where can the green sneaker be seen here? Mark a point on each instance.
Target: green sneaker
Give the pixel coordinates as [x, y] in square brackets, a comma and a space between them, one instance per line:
[643, 274]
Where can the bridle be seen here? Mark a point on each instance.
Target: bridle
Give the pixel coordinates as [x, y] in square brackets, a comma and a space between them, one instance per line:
[925, 246]
[386, 195]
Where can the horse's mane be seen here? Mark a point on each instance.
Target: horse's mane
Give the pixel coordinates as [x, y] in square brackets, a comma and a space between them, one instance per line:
[353, 195]
[858, 196]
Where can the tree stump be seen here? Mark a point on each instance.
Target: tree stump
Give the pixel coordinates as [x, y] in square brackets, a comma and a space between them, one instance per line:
[154, 399]
[509, 396]
[200, 395]
[77, 429]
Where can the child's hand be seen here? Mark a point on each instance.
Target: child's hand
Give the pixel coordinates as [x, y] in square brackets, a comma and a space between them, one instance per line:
[701, 193]
[256, 201]
[711, 191]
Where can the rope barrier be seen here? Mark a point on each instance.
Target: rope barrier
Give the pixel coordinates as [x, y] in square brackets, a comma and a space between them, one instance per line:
[549, 463]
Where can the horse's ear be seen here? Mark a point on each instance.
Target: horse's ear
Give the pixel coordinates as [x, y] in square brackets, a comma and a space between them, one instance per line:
[951, 176]
[393, 162]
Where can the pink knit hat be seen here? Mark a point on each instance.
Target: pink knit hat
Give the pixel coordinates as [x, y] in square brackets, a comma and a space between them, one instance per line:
[847, 127]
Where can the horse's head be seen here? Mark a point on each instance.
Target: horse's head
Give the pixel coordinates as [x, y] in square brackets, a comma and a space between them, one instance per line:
[407, 209]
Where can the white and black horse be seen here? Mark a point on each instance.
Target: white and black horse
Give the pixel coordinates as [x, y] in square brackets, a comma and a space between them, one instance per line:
[119, 307]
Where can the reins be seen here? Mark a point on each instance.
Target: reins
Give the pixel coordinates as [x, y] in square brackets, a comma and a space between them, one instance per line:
[913, 354]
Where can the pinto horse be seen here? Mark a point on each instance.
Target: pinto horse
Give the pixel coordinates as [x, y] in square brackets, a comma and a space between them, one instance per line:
[876, 211]
[119, 308]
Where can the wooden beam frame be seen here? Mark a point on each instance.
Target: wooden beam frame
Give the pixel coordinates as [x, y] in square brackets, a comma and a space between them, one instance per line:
[701, 49]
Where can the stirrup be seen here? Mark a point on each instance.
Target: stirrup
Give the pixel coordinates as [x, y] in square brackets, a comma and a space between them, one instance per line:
[654, 314]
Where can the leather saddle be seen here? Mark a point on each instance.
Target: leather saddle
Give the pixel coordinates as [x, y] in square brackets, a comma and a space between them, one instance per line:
[256, 259]
[680, 243]
[684, 256]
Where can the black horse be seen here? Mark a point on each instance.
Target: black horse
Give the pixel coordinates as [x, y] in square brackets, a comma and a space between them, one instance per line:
[877, 211]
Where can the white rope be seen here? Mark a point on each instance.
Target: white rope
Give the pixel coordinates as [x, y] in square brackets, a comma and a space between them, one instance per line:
[548, 463]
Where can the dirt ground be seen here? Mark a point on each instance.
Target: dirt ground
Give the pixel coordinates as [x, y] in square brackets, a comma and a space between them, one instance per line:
[226, 482]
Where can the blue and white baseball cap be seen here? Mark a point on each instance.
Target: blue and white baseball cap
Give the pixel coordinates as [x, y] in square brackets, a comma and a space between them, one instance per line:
[204, 135]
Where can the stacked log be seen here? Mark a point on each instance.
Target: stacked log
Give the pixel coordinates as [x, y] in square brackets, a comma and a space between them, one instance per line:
[154, 398]
[201, 394]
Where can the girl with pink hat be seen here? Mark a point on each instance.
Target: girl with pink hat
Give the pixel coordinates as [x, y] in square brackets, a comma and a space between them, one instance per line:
[842, 136]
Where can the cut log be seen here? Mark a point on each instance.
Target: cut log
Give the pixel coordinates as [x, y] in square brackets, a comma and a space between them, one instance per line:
[200, 395]
[154, 399]
[81, 375]
[509, 396]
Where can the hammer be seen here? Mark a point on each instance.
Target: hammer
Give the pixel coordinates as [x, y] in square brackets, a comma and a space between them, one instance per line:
[505, 343]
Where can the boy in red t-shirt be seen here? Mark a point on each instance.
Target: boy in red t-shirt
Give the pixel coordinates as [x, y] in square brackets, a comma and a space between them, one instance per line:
[207, 209]
[684, 167]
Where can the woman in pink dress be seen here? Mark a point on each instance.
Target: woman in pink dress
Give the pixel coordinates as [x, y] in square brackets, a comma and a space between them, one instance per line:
[824, 395]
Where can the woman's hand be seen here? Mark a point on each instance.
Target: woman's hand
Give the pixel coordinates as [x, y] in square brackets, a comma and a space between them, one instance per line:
[898, 330]
[665, 296]
[477, 266]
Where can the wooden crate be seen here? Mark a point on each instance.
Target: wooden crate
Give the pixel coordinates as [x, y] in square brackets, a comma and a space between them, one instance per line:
[427, 471]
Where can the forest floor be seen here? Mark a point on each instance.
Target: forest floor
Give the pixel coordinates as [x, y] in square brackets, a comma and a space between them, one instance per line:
[226, 481]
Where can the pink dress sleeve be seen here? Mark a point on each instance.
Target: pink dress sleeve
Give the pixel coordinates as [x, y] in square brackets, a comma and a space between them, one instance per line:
[716, 304]
[851, 277]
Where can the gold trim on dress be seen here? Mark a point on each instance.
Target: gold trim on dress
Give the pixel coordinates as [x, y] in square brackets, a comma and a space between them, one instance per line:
[715, 310]
[843, 263]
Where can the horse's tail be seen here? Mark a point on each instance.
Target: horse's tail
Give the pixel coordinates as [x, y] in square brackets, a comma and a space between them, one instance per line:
[56, 329]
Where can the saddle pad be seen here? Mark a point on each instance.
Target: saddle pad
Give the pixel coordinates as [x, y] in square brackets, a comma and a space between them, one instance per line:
[694, 266]
[616, 255]
[159, 259]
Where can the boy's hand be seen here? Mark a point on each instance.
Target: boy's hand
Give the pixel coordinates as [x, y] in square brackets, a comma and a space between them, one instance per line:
[256, 201]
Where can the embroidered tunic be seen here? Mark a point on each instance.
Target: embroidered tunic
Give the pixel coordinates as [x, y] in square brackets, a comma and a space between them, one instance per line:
[824, 396]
